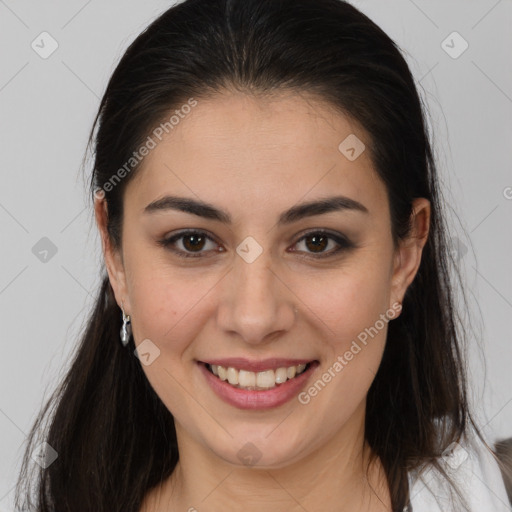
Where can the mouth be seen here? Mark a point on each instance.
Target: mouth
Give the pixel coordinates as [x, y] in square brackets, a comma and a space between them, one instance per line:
[271, 384]
[257, 381]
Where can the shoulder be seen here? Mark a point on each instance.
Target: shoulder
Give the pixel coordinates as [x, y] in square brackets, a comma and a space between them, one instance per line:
[473, 469]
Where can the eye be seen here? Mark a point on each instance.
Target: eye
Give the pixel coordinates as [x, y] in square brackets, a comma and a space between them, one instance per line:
[317, 241]
[192, 243]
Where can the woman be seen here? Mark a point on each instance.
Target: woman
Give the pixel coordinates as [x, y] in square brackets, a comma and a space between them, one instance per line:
[277, 271]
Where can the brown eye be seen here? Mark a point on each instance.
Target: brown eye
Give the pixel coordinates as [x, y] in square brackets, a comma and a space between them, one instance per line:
[192, 242]
[316, 242]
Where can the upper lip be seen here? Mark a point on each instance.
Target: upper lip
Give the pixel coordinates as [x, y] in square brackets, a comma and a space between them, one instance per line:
[241, 363]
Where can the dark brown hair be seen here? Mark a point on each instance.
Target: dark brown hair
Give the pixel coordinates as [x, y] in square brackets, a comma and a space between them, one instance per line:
[114, 437]
[503, 449]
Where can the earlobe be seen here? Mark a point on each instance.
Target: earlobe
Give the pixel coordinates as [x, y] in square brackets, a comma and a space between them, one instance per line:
[409, 252]
[112, 256]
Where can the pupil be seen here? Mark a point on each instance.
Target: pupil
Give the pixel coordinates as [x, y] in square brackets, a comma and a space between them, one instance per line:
[316, 245]
[196, 241]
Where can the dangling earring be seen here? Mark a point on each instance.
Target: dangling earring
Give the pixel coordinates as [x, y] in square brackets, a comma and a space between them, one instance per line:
[126, 329]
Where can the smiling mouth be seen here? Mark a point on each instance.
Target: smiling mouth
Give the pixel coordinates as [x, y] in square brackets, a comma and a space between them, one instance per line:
[257, 381]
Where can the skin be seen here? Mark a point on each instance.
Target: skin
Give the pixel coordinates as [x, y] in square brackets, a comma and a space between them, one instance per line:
[255, 158]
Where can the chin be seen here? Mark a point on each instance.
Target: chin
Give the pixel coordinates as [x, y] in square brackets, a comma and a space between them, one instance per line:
[255, 450]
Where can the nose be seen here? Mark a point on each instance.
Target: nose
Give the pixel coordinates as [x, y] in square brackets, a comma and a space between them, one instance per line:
[256, 305]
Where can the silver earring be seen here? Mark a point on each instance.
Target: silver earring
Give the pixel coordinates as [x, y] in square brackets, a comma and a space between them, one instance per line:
[126, 329]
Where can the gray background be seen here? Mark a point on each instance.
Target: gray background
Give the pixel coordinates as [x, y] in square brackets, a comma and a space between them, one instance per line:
[47, 108]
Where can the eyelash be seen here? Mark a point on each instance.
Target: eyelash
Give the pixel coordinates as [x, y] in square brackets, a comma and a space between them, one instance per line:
[344, 243]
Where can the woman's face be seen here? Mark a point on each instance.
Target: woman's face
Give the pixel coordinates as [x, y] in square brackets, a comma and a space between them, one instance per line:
[262, 290]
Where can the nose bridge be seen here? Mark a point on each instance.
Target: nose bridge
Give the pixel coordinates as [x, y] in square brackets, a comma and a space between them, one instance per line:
[254, 304]
[253, 280]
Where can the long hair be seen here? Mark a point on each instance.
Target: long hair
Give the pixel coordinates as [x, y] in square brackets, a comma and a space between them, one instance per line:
[114, 438]
[503, 449]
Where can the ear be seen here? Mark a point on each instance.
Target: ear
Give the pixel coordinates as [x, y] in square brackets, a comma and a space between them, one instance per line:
[408, 254]
[113, 257]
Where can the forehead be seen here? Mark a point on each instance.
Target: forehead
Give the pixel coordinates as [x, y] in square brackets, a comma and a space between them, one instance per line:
[237, 148]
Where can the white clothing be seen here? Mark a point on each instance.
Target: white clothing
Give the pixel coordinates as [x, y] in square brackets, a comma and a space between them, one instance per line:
[475, 472]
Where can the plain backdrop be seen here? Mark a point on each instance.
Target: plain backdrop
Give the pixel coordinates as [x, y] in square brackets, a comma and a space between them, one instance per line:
[47, 107]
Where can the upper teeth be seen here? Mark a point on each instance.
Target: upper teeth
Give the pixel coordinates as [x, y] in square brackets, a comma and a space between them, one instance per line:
[256, 380]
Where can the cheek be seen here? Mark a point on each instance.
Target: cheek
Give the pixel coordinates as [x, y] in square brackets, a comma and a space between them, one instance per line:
[351, 304]
[346, 300]
[353, 347]
[167, 302]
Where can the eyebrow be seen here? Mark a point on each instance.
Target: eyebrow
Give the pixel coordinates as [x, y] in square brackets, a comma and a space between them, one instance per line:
[208, 211]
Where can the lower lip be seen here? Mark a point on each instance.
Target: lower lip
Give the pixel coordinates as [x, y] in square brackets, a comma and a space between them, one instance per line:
[264, 399]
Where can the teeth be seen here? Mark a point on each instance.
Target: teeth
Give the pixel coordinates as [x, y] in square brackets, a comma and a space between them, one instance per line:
[222, 372]
[232, 376]
[246, 379]
[290, 372]
[282, 375]
[256, 380]
[266, 379]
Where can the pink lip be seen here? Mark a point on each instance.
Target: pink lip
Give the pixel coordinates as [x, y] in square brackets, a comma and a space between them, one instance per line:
[241, 363]
[265, 399]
